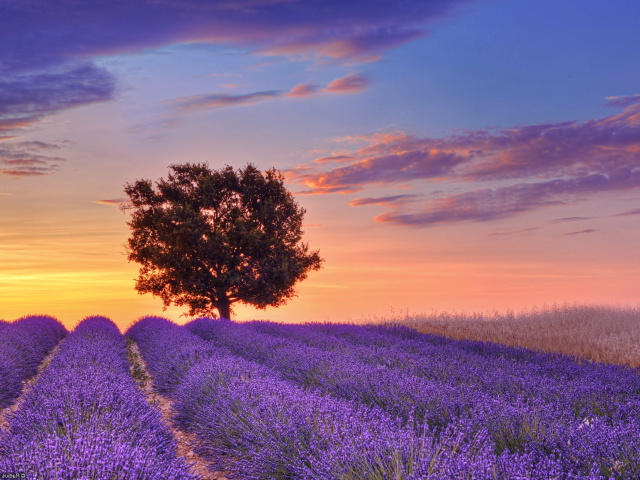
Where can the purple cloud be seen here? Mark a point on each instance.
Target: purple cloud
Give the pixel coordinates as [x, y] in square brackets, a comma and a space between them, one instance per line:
[47, 48]
[492, 204]
[546, 164]
[623, 101]
[635, 211]
[571, 219]
[27, 98]
[25, 159]
[580, 232]
[69, 30]
[352, 83]
[335, 159]
[541, 151]
[389, 201]
[194, 103]
[391, 166]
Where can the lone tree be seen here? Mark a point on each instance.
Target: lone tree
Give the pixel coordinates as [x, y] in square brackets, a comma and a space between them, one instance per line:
[208, 239]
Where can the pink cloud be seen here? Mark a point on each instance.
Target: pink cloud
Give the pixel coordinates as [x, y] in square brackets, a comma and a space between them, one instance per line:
[114, 202]
[335, 159]
[542, 151]
[302, 90]
[352, 83]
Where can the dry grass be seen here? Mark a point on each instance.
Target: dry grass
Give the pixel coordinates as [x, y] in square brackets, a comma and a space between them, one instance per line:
[599, 333]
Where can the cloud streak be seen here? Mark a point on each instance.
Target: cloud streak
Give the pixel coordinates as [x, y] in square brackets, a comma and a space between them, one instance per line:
[113, 202]
[541, 165]
[389, 201]
[28, 159]
[623, 101]
[493, 204]
[195, 103]
[581, 232]
[27, 98]
[351, 84]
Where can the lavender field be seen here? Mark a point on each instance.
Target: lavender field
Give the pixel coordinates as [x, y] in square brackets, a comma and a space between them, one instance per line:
[316, 401]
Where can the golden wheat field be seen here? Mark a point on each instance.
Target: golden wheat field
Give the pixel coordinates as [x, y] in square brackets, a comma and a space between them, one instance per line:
[601, 333]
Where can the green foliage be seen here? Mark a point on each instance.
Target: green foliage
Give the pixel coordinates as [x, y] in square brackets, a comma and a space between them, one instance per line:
[209, 238]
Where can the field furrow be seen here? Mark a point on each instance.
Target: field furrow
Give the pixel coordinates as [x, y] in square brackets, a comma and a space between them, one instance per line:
[185, 441]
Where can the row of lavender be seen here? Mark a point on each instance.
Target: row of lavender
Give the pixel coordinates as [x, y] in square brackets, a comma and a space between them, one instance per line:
[23, 345]
[516, 376]
[581, 419]
[85, 417]
[252, 420]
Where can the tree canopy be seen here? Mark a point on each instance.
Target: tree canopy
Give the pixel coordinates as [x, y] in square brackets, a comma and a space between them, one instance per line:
[209, 238]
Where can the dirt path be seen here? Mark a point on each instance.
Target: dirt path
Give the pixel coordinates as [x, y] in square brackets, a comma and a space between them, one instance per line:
[185, 440]
[26, 386]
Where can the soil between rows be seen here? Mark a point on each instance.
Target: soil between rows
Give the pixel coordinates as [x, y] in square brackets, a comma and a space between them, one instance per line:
[186, 441]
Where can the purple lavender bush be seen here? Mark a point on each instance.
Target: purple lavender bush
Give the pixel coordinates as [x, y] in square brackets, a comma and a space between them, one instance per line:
[85, 417]
[23, 345]
[169, 351]
[546, 408]
[260, 426]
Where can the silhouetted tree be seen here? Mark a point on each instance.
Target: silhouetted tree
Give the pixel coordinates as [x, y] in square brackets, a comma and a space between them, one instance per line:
[207, 239]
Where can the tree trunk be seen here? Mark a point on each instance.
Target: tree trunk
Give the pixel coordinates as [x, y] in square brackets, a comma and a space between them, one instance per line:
[224, 309]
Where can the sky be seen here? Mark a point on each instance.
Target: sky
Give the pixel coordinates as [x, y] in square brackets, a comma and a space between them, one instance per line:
[451, 155]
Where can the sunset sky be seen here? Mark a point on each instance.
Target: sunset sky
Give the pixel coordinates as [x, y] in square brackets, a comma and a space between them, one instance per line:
[451, 155]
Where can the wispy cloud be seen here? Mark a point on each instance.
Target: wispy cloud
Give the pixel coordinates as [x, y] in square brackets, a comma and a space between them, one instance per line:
[302, 90]
[113, 202]
[27, 159]
[194, 103]
[351, 84]
[571, 219]
[335, 159]
[635, 211]
[492, 204]
[389, 201]
[623, 101]
[223, 75]
[510, 232]
[580, 232]
[232, 86]
[535, 166]
[27, 98]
